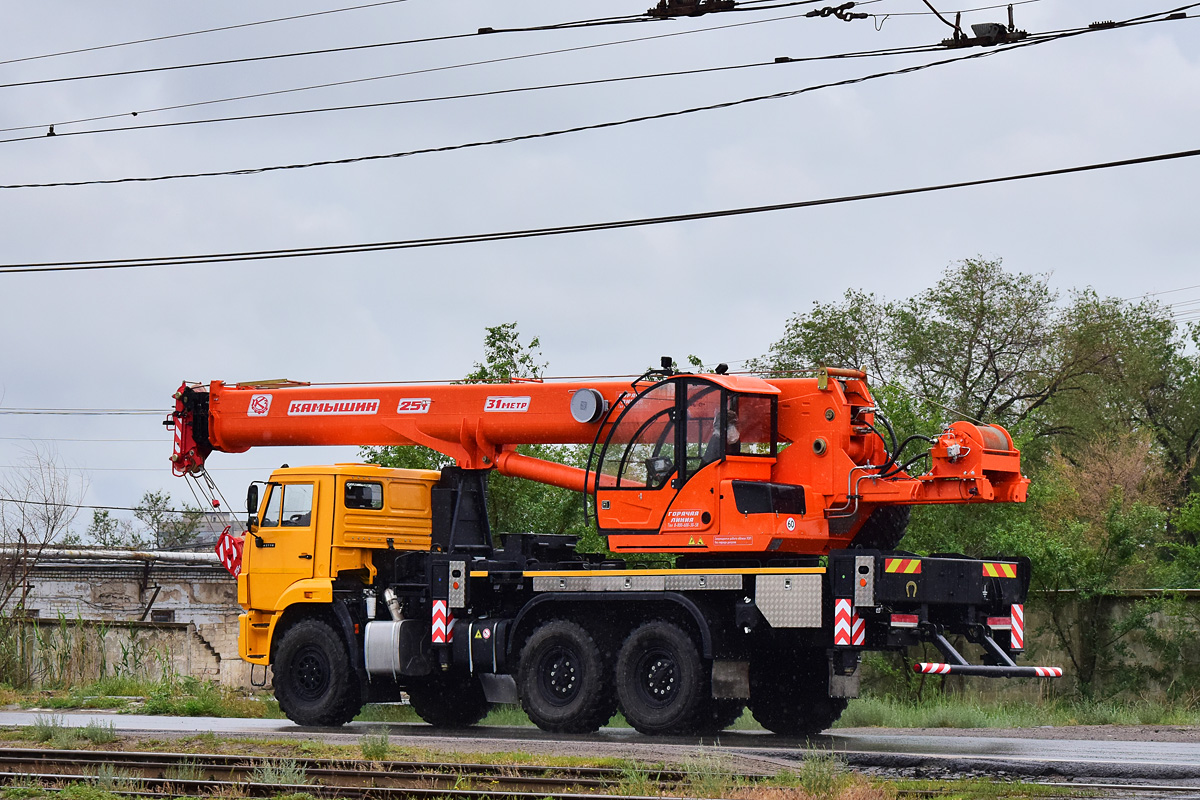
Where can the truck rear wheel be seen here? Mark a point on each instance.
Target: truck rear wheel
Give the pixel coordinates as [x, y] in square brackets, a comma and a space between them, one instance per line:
[789, 692]
[448, 701]
[660, 682]
[314, 681]
[717, 715]
[564, 683]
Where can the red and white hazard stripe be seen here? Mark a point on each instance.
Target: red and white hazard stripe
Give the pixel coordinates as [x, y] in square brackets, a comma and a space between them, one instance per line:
[849, 630]
[1049, 672]
[843, 625]
[1017, 634]
[932, 669]
[443, 623]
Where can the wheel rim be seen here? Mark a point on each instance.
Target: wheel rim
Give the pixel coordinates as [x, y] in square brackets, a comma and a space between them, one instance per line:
[559, 676]
[657, 678]
[311, 673]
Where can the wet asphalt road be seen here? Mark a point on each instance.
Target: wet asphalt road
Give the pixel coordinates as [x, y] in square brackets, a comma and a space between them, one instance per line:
[889, 751]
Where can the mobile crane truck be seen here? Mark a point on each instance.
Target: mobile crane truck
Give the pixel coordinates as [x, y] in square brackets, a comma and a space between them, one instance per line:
[780, 500]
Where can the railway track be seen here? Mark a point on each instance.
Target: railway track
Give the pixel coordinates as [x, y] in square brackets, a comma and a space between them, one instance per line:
[162, 775]
[176, 774]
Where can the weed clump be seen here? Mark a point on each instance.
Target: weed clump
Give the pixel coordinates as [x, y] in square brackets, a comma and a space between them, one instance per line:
[375, 746]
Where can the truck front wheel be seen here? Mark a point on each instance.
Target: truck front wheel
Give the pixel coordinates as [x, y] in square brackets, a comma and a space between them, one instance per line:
[564, 683]
[314, 681]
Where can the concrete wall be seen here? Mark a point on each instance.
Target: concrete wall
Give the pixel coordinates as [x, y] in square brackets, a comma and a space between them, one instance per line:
[195, 605]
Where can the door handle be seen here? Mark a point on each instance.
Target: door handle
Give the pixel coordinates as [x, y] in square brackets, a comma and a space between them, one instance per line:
[306, 555]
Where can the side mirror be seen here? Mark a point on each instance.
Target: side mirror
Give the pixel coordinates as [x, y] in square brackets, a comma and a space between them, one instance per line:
[252, 507]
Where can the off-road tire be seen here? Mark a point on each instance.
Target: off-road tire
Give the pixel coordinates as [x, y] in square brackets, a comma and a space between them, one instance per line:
[448, 701]
[315, 683]
[564, 681]
[662, 685]
[718, 714]
[884, 529]
[789, 691]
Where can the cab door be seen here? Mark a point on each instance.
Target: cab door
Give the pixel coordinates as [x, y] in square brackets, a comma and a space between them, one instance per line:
[282, 550]
[665, 437]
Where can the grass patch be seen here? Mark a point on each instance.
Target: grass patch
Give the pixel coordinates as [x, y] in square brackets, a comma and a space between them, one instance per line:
[375, 746]
[22, 792]
[188, 697]
[280, 771]
[99, 732]
[983, 789]
[112, 779]
[43, 728]
[87, 791]
[387, 712]
[186, 770]
[952, 712]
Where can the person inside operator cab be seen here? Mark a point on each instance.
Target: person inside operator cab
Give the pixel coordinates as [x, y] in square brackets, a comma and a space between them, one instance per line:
[713, 451]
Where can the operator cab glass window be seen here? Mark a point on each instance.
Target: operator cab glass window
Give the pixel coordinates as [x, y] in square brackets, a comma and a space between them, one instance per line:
[749, 425]
[679, 427]
[640, 453]
[704, 425]
[271, 515]
[297, 505]
[362, 495]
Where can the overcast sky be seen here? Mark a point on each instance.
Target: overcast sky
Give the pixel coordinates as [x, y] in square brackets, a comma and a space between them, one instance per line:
[601, 303]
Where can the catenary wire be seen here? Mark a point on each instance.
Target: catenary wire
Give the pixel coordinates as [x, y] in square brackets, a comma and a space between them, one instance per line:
[561, 131]
[59, 439]
[529, 233]
[353, 48]
[47, 503]
[483, 62]
[1174, 15]
[912, 50]
[200, 32]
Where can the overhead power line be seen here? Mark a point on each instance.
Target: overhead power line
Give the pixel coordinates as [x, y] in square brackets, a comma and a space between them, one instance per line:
[530, 233]
[49, 504]
[58, 439]
[1029, 42]
[894, 51]
[486, 31]
[196, 33]
[544, 134]
[442, 68]
[82, 411]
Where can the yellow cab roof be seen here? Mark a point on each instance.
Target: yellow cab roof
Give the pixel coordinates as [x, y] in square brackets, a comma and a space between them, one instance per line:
[359, 471]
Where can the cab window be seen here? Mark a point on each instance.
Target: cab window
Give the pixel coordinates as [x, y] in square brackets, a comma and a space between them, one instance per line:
[297, 505]
[749, 425]
[640, 453]
[363, 495]
[271, 515]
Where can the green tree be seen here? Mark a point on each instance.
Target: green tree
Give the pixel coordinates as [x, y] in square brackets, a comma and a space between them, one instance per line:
[105, 530]
[165, 527]
[514, 504]
[982, 344]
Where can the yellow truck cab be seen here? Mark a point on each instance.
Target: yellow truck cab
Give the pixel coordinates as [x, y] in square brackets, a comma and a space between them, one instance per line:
[317, 525]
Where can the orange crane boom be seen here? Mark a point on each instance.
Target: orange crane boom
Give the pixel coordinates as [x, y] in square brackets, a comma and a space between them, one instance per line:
[680, 462]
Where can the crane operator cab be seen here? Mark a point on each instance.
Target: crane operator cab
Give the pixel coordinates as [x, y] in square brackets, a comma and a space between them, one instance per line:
[675, 461]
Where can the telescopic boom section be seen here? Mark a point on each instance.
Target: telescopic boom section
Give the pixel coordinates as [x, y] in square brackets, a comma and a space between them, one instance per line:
[682, 462]
[471, 423]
